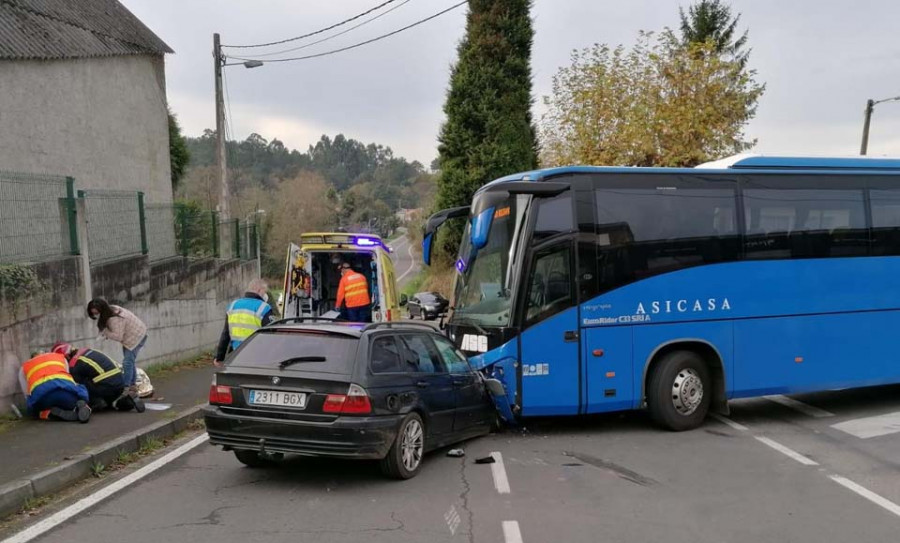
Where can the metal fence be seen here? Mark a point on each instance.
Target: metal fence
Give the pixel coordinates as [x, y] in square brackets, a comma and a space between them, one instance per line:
[196, 232]
[38, 222]
[37, 217]
[115, 228]
[247, 245]
[161, 237]
[229, 239]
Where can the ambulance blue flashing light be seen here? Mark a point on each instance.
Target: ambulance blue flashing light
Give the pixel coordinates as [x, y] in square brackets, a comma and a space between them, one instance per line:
[367, 242]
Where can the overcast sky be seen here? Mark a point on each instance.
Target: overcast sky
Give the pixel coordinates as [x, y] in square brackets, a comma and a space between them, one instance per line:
[820, 60]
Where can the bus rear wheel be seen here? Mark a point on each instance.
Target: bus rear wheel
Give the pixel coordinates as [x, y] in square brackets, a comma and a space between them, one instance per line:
[679, 391]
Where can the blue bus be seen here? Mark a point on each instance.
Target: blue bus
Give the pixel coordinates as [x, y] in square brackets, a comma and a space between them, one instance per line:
[594, 289]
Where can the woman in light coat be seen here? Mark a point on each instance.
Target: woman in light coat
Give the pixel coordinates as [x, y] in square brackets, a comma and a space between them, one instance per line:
[118, 324]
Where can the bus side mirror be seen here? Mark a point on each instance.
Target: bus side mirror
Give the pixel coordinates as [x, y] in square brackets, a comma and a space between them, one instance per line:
[403, 299]
[426, 248]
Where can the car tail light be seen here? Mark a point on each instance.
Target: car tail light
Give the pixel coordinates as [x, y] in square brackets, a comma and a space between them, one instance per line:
[220, 395]
[355, 402]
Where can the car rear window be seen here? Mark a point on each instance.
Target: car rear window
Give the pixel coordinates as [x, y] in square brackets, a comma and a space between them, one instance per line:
[269, 349]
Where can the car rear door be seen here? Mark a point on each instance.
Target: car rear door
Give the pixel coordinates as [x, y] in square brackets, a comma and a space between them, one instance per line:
[392, 383]
[434, 383]
[472, 403]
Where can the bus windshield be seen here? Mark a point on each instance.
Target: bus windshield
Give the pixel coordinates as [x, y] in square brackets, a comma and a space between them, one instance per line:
[482, 295]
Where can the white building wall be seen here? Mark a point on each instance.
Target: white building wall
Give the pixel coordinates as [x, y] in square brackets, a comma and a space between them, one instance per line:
[102, 121]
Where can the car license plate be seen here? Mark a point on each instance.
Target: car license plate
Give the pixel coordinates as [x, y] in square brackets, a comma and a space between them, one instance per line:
[278, 398]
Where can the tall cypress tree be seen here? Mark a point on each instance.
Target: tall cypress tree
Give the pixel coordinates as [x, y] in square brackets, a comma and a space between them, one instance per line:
[713, 20]
[489, 130]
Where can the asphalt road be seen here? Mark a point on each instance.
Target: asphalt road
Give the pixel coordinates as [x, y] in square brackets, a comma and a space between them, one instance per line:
[774, 471]
[405, 264]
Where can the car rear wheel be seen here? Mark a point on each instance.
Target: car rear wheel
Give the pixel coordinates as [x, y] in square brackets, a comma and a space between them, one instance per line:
[404, 459]
[252, 459]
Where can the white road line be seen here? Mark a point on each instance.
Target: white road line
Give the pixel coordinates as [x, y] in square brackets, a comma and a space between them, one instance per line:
[867, 494]
[787, 452]
[412, 265]
[865, 428]
[729, 422]
[877, 499]
[511, 532]
[797, 405]
[87, 502]
[501, 482]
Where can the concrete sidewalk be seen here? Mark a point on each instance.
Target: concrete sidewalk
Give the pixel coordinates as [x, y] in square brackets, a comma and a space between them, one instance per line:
[48, 454]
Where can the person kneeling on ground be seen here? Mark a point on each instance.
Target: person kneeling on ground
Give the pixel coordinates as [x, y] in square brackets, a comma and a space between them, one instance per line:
[50, 391]
[102, 378]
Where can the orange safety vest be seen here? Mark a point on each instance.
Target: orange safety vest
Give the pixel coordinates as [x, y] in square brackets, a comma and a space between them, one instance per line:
[44, 368]
[354, 290]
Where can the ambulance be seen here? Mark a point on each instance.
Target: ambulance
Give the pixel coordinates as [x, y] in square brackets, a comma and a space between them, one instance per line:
[312, 274]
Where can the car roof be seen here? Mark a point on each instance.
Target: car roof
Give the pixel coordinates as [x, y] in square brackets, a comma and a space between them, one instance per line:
[351, 329]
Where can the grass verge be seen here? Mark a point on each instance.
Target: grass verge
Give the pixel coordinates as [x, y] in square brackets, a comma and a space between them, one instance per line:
[414, 285]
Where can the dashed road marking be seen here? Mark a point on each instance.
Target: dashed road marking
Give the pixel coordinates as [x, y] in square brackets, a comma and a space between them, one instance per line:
[861, 429]
[797, 405]
[452, 519]
[867, 427]
[867, 494]
[511, 532]
[501, 481]
[87, 502]
[791, 453]
[729, 422]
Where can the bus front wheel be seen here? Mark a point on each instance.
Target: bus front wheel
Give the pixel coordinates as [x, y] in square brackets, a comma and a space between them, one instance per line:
[679, 391]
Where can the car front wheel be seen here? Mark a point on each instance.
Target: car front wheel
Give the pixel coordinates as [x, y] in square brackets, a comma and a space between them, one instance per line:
[404, 458]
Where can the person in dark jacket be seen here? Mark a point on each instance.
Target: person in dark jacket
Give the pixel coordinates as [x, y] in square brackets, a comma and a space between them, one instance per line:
[244, 316]
[103, 379]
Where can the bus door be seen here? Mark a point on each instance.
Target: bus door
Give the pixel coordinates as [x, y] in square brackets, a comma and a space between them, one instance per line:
[550, 339]
[606, 349]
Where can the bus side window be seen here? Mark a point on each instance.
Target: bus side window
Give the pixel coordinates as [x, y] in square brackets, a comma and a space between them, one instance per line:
[643, 232]
[885, 222]
[804, 223]
[554, 217]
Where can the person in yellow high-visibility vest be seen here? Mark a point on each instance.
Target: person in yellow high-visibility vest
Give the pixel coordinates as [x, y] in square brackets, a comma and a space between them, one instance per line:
[353, 291]
[50, 391]
[245, 315]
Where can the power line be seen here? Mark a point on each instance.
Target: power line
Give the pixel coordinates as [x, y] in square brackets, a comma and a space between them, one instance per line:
[230, 150]
[360, 44]
[345, 21]
[331, 37]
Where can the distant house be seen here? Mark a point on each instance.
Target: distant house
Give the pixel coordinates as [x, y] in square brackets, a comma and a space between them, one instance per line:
[83, 94]
[406, 215]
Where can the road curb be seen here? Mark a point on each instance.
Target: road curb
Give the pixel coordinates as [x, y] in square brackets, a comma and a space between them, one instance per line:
[13, 495]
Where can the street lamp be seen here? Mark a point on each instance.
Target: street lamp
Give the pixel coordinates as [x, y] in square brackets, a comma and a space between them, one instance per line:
[219, 62]
[870, 106]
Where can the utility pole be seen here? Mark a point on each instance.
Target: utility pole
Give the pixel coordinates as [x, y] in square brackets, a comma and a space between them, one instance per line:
[221, 165]
[870, 106]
